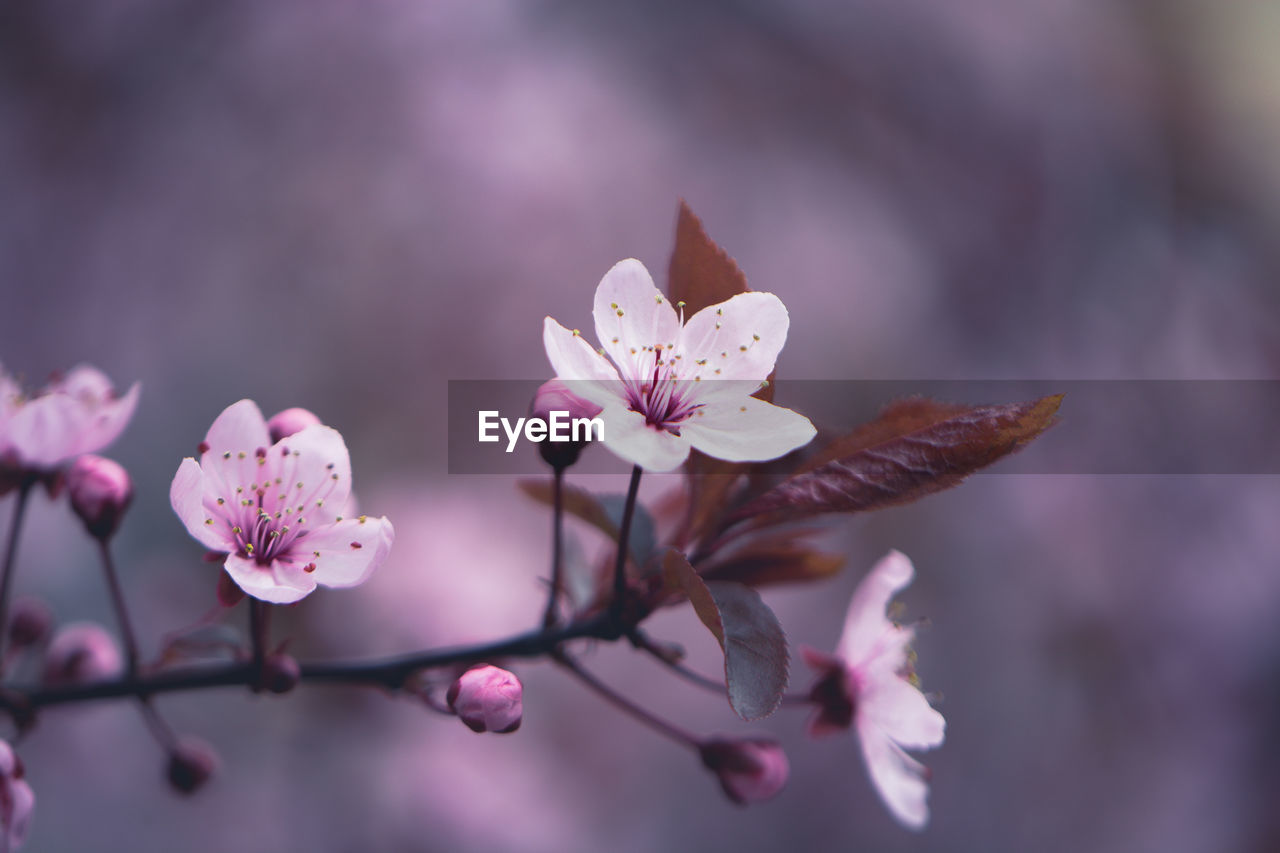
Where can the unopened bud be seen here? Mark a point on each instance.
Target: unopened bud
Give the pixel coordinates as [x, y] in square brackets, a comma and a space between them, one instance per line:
[100, 493]
[81, 652]
[555, 396]
[280, 673]
[30, 623]
[750, 770]
[17, 800]
[191, 764]
[286, 423]
[487, 699]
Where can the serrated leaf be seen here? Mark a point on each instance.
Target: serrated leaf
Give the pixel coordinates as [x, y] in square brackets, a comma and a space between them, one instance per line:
[754, 645]
[602, 512]
[915, 448]
[700, 273]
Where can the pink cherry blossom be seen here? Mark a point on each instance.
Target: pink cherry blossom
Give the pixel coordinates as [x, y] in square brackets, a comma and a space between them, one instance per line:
[77, 413]
[17, 801]
[275, 508]
[666, 386]
[868, 684]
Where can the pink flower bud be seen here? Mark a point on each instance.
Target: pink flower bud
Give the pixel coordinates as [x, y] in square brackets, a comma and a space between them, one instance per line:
[17, 800]
[191, 764]
[487, 699]
[100, 493]
[30, 623]
[286, 423]
[555, 396]
[81, 652]
[751, 770]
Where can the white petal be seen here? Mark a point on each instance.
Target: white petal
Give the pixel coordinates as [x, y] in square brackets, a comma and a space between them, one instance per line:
[867, 630]
[349, 551]
[633, 318]
[586, 372]
[902, 712]
[628, 435]
[739, 339]
[898, 777]
[279, 583]
[746, 430]
[187, 496]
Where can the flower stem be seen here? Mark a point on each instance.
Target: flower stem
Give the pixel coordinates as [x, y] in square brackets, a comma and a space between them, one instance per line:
[10, 555]
[557, 546]
[624, 704]
[259, 627]
[624, 535]
[122, 613]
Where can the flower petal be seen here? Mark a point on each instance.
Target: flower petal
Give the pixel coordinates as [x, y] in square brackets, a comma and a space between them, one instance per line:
[633, 318]
[629, 436]
[240, 427]
[45, 432]
[105, 421]
[867, 630]
[314, 470]
[746, 430]
[897, 708]
[588, 374]
[898, 777]
[280, 583]
[346, 553]
[738, 339]
[187, 496]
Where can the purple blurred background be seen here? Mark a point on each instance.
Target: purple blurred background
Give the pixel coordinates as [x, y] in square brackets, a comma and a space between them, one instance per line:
[342, 206]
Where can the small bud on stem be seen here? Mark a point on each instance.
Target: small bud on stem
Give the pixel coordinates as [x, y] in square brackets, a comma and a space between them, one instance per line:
[487, 699]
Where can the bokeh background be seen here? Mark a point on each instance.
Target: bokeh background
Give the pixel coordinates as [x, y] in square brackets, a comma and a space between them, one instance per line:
[343, 206]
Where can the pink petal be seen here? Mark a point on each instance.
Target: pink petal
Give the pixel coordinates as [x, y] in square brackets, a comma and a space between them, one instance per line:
[631, 314]
[105, 421]
[317, 458]
[348, 552]
[899, 710]
[740, 338]
[46, 431]
[628, 435]
[187, 496]
[83, 382]
[279, 583]
[240, 427]
[867, 631]
[746, 430]
[898, 777]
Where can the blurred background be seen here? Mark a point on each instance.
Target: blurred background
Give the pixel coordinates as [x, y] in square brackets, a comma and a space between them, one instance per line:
[343, 206]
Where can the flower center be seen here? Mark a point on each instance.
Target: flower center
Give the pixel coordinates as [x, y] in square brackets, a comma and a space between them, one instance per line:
[663, 398]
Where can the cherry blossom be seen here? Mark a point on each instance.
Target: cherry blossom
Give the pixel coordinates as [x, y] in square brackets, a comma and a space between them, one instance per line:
[868, 684]
[666, 386]
[74, 414]
[275, 508]
[751, 770]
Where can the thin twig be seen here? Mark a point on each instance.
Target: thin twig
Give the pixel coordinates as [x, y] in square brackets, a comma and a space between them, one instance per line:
[624, 704]
[557, 546]
[624, 535]
[122, 613]
[10, 555]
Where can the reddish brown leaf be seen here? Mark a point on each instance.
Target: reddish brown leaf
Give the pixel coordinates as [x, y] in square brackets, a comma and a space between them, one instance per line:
[783, 560]
[701, 273]
[915, 448]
